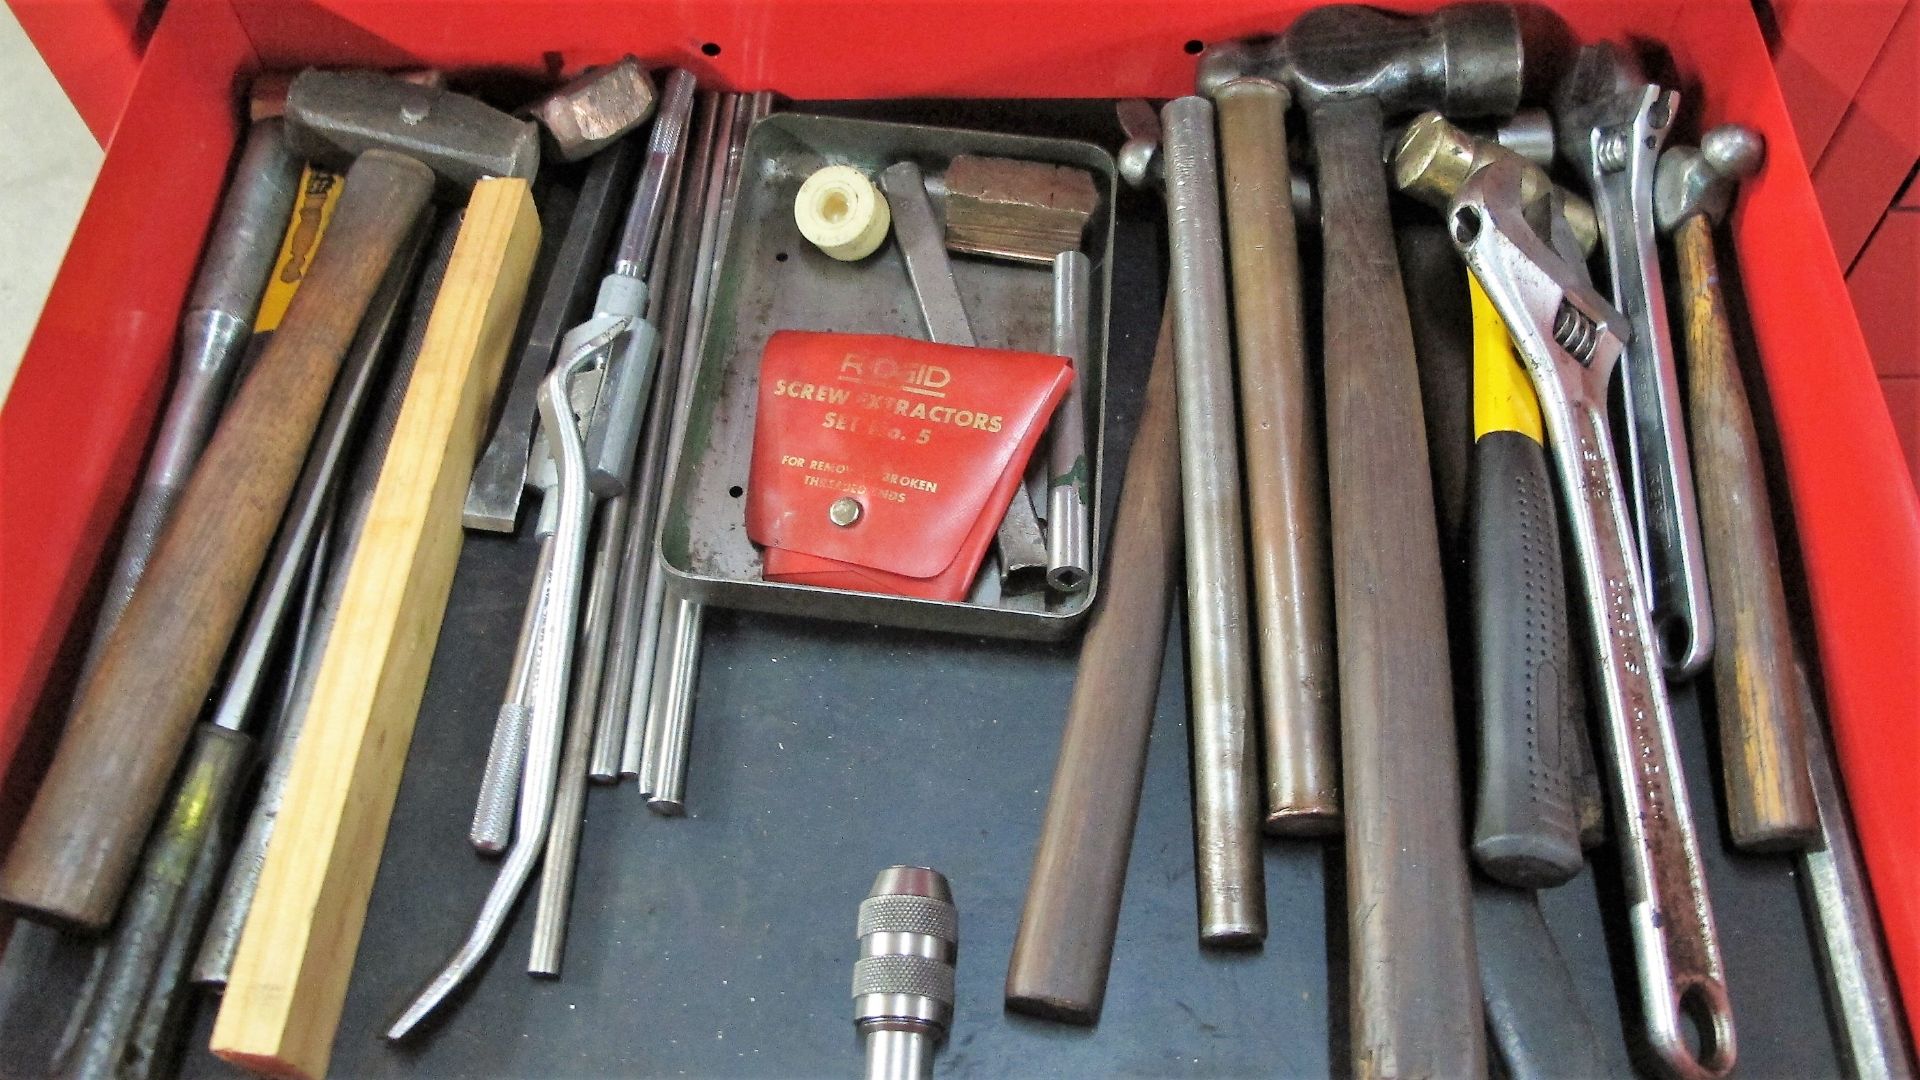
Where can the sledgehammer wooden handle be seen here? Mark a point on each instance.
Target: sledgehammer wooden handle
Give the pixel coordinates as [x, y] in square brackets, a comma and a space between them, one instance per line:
[131, 720]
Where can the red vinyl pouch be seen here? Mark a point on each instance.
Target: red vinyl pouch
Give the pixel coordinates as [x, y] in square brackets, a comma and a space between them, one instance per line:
[884, 464]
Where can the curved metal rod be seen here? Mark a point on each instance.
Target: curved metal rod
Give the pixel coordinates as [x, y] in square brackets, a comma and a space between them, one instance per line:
[552, 670]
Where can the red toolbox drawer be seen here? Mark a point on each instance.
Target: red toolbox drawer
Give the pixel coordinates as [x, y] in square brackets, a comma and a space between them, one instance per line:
[76, 424]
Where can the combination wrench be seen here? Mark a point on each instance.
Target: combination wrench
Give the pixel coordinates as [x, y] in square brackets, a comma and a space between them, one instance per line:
[1569, 340]
[1612, 124]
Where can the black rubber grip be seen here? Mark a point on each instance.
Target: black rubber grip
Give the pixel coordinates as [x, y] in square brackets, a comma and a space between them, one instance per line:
[1526, 829]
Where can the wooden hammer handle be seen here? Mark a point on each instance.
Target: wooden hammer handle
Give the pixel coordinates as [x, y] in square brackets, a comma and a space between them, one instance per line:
[1065, 942]
[1763, 744]
[129, 726]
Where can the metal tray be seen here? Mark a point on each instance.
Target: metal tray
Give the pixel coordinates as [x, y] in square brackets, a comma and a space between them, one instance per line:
[773, 279]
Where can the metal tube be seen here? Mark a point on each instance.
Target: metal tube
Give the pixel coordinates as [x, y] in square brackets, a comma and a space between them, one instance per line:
[1069, 529]
[551, 683]
[653, 602]
[229, 918]
[570, 797]
[1286, 474]
[1225, 796]
[667, 297]
[670, 714]
[213, 334]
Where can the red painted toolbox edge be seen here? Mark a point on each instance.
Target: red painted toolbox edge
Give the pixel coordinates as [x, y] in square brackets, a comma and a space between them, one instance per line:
[77, 421]
[93, 48]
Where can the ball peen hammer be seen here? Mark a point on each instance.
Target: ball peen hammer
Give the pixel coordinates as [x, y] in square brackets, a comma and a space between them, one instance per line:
[131, 718]
[1415, 1000]
[1770, 804]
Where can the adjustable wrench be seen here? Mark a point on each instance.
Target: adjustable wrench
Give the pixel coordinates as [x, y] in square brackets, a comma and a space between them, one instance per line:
[1569, 339]
[1612, 123]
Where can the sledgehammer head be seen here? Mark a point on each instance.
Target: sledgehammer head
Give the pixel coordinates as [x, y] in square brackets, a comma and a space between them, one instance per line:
[1465, 59]
[335, 116]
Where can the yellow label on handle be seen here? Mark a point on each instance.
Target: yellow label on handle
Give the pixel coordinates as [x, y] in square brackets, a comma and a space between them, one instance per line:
[312, 209]
[1503, 397]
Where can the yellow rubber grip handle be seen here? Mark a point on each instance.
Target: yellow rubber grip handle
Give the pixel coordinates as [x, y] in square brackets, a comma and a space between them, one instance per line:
[312, 209]
[1503, 398]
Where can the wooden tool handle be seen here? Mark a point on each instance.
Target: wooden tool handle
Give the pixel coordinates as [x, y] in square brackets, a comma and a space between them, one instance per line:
[1770, 803]
[1065, 942]
[1414, 986]
[130, 722]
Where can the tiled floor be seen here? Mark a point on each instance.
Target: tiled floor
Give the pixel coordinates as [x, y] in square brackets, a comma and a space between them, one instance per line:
[46, 171]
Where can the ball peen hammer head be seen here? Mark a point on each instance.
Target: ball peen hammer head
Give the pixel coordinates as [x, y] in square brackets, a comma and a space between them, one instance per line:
[335, 116]
[1465, 59]
[1691, 181]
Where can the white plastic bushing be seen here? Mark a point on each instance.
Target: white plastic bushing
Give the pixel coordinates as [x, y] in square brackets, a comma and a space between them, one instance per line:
[840, 212]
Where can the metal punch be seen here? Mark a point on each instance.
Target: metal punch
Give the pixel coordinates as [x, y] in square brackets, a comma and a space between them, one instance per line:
[1612, 124]
[1569, 339]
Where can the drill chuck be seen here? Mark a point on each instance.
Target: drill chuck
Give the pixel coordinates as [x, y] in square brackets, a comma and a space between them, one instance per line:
[903, 981]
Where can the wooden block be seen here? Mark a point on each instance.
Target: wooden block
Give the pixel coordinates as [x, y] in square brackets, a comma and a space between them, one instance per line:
[289, 978]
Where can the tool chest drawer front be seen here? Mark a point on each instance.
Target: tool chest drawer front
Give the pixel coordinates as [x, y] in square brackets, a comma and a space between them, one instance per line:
[740, 883]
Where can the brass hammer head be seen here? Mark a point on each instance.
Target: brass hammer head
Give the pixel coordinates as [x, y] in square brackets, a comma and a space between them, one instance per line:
[1434, 157]
[335, 116]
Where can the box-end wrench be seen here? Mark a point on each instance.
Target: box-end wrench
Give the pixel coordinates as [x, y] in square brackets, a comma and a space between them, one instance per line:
[1569, 339]
[1612, 124]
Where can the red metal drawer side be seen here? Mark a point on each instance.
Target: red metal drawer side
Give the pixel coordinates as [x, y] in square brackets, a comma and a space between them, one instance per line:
[93, 48]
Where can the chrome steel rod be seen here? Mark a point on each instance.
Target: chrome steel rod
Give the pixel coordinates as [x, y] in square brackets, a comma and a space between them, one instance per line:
[570, 796]
[667, 294]
[1226, 798]
[1069, 519]
[670, 714]
[653, 600]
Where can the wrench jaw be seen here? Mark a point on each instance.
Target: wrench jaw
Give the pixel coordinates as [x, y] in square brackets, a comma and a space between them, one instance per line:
[1569, 339]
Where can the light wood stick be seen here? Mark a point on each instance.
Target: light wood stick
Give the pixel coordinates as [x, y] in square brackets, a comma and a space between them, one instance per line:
[290, 975]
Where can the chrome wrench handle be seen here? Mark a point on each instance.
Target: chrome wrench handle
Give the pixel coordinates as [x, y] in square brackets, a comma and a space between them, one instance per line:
[1620, 165]
[1569, 339]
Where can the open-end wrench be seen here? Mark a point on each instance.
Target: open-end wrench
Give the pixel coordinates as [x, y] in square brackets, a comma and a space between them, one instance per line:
[1612, 123]
[1569, 339]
